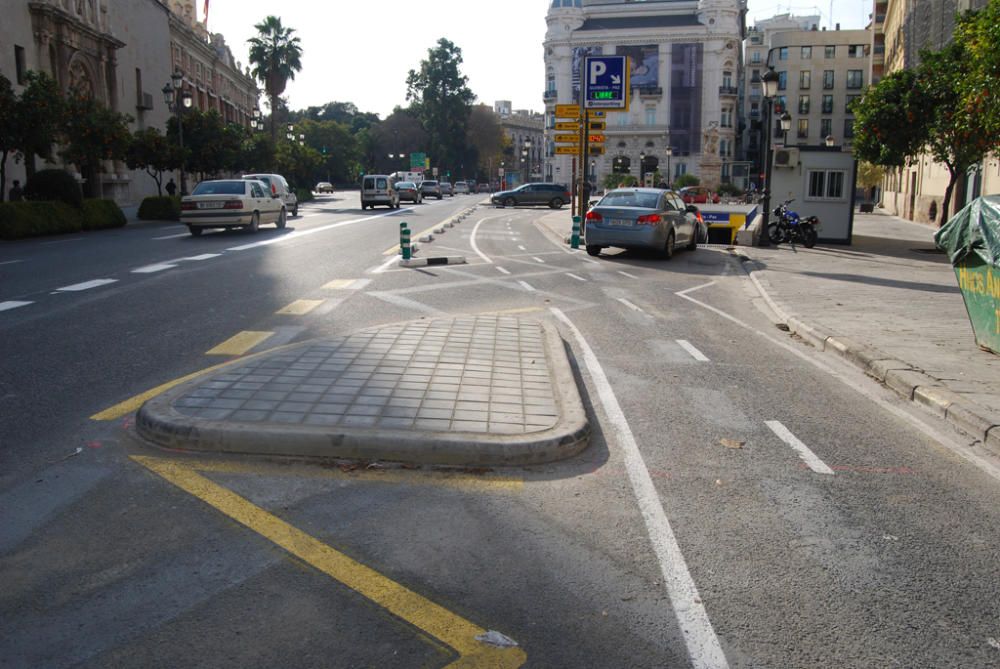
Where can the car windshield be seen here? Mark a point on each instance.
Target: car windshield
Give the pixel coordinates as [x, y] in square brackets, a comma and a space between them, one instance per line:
[220, 188]
[630, 199]
[406, 184]
[430, 183]
[259, 177]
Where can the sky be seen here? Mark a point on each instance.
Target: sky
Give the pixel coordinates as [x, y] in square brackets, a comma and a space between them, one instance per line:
[361, 53]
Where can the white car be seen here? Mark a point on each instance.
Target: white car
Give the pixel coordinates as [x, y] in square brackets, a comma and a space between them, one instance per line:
[461, 187]
[231, 203]
[279, 186]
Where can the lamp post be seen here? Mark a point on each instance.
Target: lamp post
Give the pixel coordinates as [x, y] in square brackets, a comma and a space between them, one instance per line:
[255, 122]
[786, 124]
[770, 83]
[670, 175]
[642, 168]
[829, 141]
[527, 160]
[593, 174]
[302, 139]
[290, 135]
[177, 98]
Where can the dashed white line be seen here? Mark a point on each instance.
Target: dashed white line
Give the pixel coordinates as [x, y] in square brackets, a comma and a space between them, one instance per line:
[13, 304]
[150, 269]
[87, 285]
[810, 458]
[695, 353]
[537, 259]
[181, 234]
[592, 262]
[203, 256]
[631, 276]
[503, 270]
[527, 286]
[702, 643]
[630, 305]
[521, 247]
[384, 266]
[10, 262]
[574, 276]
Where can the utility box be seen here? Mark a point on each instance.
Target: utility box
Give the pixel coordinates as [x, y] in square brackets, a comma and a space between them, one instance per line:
[972, 241]
[821, 181]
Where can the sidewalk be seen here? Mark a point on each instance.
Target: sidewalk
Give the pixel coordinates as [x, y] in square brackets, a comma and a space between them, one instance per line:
[890, 304]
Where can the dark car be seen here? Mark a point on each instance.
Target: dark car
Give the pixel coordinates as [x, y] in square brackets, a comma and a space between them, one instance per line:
[551, 194]
[645, 218]
[408, 191]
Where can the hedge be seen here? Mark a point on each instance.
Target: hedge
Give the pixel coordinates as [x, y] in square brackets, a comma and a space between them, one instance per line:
[160, 208]
[304, 195]
[36, 218]
[53, 185]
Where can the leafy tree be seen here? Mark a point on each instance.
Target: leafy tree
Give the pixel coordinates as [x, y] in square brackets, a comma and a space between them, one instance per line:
[345, 113]
[9, 131]
[890, 120]
[276, 55]
[29, 122]
[257, 153]
[336, 147]
[441, 100]
[210, 145]
[980, 86]
[91, 134]
[150, 151]
[484, 138]
[686, 180]
[299, 164]
[869, 175]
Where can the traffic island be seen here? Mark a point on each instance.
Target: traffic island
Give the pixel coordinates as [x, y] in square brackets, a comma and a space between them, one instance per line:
[474, 391]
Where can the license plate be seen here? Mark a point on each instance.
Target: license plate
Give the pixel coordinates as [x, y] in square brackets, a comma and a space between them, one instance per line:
[210, 205]
[619, 221]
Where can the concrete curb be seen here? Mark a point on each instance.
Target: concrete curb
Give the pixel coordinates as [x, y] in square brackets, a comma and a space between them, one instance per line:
[160, 423]
[439, 260]
[905, 379]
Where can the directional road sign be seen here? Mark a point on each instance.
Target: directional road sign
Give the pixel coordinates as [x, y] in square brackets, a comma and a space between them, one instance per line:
[567, 125]
[575, 150]
[605, 82]
[567, 111]
[572, 139]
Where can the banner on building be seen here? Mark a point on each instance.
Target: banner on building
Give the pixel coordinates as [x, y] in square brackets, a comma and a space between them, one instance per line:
[644, 63]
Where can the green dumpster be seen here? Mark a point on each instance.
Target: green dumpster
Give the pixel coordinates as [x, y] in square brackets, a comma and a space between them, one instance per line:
[972, 241]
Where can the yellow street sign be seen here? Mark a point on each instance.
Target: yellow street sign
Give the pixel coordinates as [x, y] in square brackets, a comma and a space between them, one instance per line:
[567, 138]
[568, 150]
[567, 111]
[567, 125]
[595, 139]
[597, 125]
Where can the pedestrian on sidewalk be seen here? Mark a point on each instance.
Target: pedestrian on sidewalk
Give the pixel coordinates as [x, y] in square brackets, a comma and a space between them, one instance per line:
[16, 194]
[171, 187]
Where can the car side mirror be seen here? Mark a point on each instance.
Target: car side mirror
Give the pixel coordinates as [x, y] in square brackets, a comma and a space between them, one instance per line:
[691, 209]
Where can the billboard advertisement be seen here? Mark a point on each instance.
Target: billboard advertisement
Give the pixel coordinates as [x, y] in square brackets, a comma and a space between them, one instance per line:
[645, 64]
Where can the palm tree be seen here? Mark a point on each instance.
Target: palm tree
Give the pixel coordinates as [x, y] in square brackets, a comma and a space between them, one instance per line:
[276, 56]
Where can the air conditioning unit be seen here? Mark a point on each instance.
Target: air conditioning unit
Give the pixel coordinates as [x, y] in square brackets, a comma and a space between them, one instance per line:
[145, 101]
[786, 157]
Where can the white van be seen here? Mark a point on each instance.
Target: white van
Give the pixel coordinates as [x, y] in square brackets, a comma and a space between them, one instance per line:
[279, 188]
[378, 189]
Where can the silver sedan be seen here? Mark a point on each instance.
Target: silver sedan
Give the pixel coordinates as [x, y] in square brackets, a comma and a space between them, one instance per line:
[642, 218]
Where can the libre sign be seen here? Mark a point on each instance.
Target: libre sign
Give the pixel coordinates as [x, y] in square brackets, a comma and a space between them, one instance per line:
[606, 82]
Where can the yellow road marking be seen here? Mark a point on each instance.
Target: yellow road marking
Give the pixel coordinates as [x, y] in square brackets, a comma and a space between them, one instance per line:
[395, 249]
[133, 403]
[454, 479]
[339, 284]
[299, 307]
[239, 343]
[434, 620]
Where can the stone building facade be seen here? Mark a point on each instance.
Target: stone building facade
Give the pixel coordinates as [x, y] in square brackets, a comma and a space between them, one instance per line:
[685, 59]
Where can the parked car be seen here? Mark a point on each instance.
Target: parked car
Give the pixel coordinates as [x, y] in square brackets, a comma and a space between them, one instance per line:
[409, 191]
[279, 186]
[551, 194]
[483, 188]
[461, 187]
[447, 188]
[430, 188]
[698, 195]
[323, 187]
[231, 203]
[378, 189]
[644, 218]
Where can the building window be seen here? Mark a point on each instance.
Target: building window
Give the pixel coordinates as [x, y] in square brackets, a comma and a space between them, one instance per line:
[754, 75]
[805, 79]
[755, 58]
[679, 169]
[19, 65]
[827, 104]
[825, 185]
[550, 80]
[803, 104]
[849, 128]
[726, 120]
[779, 103]
[782, 80]
[727, 79]
[754, 109]
[825, 127]
[827, 79]
[783, 53]
[650, 115]
[803, 128]
[856, 51]
[807, 53]
[855, 79]
[830, 51]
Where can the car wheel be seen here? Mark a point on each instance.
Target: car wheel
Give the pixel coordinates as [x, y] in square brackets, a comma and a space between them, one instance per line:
[295, 209]
[254, 222]
[509, 202]
[593, 250]
[556, 203]
[195, 230]
[693, 244]
[668, 248]
[282, 219]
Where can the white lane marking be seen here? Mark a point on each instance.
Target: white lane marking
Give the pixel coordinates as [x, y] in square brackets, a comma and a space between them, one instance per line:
[149, 269]
[537, 259]
[630, 305]
[521, 247]
[574, 276]
[61, 241]
[592, 262]
[406, 303]
[10, 262]
[702, 644]
[181, 234]
[472, 241]
[505, 271]
[87, 285]
[312, 231]
[810, 458]
[13, 304]
[203, 256]
[695, 353]
[631, 276]
[527, 286]
[384, 266]
[684, 293]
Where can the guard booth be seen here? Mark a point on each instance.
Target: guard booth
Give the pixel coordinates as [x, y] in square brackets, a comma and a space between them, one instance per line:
[821, 181]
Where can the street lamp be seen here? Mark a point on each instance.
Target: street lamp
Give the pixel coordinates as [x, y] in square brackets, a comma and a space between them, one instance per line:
[290, 135]
[302, 139]
[786, 124]
[770, 83]
[669, 151]
[179, 100]
[593, 166]
[255, 121]
[527, 160]
[829, 141]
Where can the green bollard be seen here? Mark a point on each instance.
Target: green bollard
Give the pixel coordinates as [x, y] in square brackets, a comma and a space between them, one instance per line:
[404, 241]
[575, 239]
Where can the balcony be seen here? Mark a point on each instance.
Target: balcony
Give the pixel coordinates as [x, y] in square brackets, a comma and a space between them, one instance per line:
[549, 95]
[651, 92]
[730, 91]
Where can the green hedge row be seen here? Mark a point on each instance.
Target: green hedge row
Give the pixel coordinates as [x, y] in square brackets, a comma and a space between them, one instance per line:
[304, 195]
[35, 218]
[160, 208]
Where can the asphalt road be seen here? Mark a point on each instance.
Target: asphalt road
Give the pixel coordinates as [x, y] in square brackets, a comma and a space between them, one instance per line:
[745, 501]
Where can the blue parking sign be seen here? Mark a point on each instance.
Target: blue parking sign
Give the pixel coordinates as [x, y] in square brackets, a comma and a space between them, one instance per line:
[605, 82]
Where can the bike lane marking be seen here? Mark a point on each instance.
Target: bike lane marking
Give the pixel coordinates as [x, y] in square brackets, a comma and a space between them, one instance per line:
[240, 343]
[810, 458]
[413, 608]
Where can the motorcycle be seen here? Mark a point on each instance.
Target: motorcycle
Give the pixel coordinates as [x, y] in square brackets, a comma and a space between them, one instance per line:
[790, 227]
